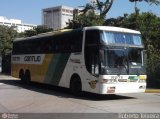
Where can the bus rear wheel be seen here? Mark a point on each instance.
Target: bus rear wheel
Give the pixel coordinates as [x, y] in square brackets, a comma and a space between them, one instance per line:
[75, 85]
[27, 76]
[22, 75]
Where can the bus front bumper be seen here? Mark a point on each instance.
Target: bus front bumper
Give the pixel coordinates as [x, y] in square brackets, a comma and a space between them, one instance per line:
[127, 87]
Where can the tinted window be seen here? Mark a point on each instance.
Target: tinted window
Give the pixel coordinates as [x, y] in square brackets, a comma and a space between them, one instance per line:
[92, 37]
[92, 51]
[120, 38]
[63, 43]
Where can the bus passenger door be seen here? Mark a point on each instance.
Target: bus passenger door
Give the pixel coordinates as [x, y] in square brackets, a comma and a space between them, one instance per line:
[92, 66]
[91, 57]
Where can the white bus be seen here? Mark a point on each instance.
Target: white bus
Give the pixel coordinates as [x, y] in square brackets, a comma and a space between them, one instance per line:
[97, 59]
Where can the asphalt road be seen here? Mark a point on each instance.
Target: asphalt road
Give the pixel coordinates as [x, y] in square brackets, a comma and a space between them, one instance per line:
[16, 97]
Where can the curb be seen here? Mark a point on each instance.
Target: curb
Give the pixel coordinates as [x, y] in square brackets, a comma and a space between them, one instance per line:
[152, 91]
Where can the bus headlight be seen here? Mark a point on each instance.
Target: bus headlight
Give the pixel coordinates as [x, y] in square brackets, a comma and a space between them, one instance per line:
[142, 81]
[104, 81]
[108, 81]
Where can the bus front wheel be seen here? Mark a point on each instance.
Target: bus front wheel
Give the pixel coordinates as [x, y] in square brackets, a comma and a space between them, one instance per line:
[75, 85]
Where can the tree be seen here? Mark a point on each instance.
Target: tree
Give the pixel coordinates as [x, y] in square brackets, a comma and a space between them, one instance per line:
[38, 30]
[149, 26]
[42, 29]
[7, 34]
[156, 2]
[89, 15]
[148, 1]
[104, 6]
[87, 19]
[119, 21]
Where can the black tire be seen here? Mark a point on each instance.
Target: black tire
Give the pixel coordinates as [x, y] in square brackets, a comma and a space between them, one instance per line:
[22, 75]
[27, 77]
[76, 86]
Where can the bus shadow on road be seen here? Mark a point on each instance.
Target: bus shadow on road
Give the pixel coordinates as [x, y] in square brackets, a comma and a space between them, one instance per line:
[62, 92]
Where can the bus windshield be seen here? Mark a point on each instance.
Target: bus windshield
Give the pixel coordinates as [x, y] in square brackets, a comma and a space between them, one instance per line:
[119, 53]
[112, 57]
[120, 38]
[120, 60]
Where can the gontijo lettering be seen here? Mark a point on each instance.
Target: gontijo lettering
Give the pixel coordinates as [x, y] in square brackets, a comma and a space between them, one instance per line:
[16, 58]
[32, 58]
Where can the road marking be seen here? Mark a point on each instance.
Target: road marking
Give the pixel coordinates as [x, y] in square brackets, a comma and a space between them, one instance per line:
[1, 83]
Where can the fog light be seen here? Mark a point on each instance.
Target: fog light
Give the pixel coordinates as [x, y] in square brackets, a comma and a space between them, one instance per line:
[104, 80]
[142, 81]
[108, 81]
[142, 87]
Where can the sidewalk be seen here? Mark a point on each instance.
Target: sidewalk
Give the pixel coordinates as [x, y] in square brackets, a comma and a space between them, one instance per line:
[7, 77]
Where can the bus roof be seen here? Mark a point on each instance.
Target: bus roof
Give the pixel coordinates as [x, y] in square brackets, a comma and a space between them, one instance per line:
[105, 28]
[111, 28]
[43, 35]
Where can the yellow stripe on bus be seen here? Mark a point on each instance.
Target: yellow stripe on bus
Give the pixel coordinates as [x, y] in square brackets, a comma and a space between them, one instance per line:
[37, 71]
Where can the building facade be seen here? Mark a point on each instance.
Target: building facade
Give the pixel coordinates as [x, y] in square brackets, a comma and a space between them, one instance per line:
[16, 24]
[57, 17]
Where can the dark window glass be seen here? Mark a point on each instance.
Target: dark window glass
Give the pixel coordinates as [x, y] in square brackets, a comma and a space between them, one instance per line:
[92, 51]
[92, 37]
[62, 43]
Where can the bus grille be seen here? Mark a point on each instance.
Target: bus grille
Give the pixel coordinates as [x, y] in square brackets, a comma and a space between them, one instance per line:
[127, 80]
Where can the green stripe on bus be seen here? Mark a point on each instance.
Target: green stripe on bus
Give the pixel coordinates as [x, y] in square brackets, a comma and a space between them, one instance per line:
[56, 68]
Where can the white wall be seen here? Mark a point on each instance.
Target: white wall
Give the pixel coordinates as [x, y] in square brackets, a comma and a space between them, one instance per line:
[16, 23]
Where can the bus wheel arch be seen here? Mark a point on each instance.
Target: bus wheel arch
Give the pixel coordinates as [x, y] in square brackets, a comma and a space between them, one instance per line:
[75, 84]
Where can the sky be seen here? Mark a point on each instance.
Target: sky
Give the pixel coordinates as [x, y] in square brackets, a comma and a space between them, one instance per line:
[30, 11]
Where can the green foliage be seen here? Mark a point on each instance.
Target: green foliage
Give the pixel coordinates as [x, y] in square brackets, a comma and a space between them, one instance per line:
[90, 15]
[104, 6]
[148, 1]
[38, 30]
[89, 19]
[149, 26]
[101, 6]
[119, 21]
[29, 33]
[156, 2]
[7, 34]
